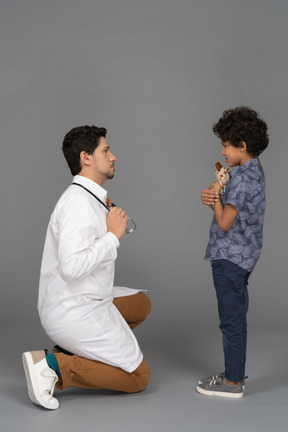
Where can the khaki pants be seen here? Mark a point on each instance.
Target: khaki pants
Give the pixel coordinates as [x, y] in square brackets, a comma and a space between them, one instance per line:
[81, 372]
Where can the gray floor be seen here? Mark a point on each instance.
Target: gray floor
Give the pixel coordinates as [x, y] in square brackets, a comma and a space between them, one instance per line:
[170, 403]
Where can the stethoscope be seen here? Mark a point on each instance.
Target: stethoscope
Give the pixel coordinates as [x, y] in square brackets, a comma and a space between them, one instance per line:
[128, 230]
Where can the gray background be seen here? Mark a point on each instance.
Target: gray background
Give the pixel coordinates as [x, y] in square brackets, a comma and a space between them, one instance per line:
[157, 74]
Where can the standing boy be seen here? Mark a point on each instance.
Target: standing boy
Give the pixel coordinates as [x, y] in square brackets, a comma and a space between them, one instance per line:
[235, 241]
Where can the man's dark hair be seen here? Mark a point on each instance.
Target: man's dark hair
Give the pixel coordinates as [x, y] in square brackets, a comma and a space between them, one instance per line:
[78, 139]
[243, 124]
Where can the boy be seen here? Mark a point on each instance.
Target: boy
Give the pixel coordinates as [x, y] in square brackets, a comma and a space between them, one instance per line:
[235, 241]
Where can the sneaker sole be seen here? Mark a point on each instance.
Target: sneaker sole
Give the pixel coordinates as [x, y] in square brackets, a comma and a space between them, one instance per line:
[219, 394]
[33, 390]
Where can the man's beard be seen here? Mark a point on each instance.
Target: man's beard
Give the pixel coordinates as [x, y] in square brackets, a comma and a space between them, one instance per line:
[110, 175]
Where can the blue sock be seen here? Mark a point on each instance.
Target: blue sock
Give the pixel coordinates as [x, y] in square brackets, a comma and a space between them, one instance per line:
[52, 363]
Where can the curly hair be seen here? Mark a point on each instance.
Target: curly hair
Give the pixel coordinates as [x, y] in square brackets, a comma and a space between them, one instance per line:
[78, 139]
[243, 124]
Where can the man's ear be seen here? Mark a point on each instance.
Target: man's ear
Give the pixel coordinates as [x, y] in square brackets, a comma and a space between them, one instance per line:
[85, 159]
[243, 146]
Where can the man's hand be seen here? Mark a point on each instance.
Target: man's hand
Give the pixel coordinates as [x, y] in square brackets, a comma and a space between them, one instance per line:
[209, 197]
[108, 202]
[117, 220]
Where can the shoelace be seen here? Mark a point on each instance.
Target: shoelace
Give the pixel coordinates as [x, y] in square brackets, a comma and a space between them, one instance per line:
[216, 379]
[48, 373]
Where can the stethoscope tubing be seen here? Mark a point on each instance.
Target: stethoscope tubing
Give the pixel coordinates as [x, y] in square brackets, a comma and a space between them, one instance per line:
[104, 205]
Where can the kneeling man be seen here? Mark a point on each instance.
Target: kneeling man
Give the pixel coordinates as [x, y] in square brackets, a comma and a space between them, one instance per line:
[88, 318]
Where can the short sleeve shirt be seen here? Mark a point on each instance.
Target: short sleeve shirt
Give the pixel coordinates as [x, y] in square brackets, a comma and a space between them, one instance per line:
[242, 244]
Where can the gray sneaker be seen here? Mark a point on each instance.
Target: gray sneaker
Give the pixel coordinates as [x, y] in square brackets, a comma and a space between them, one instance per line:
[219, 375]
[219, 388]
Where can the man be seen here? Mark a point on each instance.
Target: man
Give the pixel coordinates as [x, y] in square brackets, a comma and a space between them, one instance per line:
[79, 308]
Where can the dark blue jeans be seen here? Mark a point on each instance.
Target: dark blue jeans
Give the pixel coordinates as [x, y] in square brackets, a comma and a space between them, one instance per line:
[231, 283]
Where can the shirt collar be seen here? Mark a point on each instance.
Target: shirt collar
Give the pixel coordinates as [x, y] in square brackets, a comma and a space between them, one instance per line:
[95, 188]
[252, 162]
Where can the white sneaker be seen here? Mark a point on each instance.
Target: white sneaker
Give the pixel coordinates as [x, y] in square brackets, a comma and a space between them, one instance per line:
[41, 379]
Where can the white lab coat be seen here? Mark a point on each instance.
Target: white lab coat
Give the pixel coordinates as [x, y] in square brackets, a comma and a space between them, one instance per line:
[76, 281]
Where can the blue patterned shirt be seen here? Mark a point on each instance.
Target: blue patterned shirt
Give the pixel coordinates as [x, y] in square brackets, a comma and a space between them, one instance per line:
[242, 244]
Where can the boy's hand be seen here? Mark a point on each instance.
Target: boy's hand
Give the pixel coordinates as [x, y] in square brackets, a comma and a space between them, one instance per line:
[215, 186]
[209, 197]
[117, 222]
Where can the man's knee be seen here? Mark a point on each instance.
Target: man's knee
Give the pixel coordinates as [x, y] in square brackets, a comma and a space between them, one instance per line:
[145, 379]
[143, 376]
[134, 308]
[146, 306]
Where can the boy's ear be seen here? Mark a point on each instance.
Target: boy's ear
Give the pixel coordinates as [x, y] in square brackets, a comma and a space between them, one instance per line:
[243, 146]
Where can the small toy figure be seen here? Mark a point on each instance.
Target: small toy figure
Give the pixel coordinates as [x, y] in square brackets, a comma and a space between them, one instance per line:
[222, 175]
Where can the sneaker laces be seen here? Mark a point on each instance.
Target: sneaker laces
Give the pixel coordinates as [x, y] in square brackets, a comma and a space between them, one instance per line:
[216, 379]
[49, 373]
